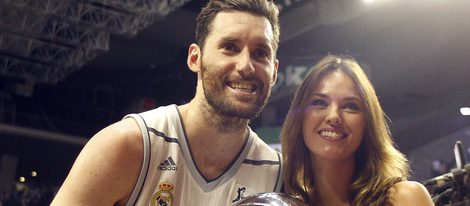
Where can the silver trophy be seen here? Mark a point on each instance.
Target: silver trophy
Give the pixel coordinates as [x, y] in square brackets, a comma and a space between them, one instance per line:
[272, 198]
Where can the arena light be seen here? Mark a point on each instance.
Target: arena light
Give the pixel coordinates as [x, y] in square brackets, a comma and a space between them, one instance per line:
[465, 111]
[34, 173]
[369, 1]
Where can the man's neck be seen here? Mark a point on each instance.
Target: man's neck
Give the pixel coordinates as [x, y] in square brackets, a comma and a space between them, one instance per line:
[215, 141]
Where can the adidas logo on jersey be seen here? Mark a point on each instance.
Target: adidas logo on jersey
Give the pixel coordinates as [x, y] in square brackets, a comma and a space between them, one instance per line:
[167, 164]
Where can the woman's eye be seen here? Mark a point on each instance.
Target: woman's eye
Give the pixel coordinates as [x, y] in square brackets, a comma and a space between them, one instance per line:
[319, 102]
[352, 106]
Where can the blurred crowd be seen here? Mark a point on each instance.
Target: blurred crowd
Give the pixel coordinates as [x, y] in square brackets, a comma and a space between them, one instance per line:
[28, 195]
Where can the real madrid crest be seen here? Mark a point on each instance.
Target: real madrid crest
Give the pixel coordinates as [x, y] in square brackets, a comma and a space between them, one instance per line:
[164, 195]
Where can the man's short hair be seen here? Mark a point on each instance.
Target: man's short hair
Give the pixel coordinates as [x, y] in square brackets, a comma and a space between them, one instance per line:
[264, 8]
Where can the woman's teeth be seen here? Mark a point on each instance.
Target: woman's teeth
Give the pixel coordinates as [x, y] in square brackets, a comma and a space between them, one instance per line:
[331, 134]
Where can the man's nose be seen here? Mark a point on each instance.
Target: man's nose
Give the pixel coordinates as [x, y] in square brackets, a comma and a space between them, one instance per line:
[245, 63]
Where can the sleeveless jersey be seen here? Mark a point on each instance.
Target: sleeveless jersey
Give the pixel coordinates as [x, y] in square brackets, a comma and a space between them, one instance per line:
[169, 175]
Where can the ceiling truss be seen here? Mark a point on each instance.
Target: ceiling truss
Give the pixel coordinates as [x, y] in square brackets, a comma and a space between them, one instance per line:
[45, 40]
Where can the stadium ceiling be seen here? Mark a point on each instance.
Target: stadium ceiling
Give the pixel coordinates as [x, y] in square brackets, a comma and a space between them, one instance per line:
[42, 41]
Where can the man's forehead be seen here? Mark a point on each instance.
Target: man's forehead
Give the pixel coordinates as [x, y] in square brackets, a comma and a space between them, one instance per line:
[236, 25]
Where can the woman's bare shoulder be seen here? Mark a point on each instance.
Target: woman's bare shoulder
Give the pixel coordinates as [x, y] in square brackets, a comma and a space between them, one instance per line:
[408, 193]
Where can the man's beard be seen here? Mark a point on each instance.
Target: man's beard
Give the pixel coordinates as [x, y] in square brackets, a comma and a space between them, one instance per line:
[214, 92]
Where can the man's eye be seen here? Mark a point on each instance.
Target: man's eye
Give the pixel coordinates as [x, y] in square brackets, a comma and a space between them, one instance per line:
[260, 53]
[229, 47]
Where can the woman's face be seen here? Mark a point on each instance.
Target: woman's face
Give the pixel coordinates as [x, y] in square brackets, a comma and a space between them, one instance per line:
[334, 120]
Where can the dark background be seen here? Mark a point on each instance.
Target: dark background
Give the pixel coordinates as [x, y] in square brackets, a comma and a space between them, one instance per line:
[415, 52]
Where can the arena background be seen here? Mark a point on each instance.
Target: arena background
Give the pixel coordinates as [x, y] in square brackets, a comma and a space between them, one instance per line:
[69, 68]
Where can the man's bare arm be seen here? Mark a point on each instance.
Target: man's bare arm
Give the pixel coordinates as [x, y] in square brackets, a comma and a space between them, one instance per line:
[107, 168]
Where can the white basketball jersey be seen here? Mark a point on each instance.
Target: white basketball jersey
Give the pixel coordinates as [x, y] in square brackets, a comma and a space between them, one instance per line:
[169, 175]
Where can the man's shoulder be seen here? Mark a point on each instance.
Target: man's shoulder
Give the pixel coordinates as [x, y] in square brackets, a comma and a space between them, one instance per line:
[261, 149]
[162, 113]
[172, 108]
[122, 134]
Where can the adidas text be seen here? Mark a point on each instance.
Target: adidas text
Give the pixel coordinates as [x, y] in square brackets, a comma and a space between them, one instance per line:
[166, 167]
[168, 164]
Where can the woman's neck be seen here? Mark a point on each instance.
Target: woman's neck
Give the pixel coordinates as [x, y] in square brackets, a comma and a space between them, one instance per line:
[332, 182]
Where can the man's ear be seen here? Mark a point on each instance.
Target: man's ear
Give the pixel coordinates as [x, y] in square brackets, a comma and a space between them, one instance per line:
[194, 58]
[276, 66]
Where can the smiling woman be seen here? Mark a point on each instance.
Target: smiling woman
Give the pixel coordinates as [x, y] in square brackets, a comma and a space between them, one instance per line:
[336, 144]
[334, 119]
